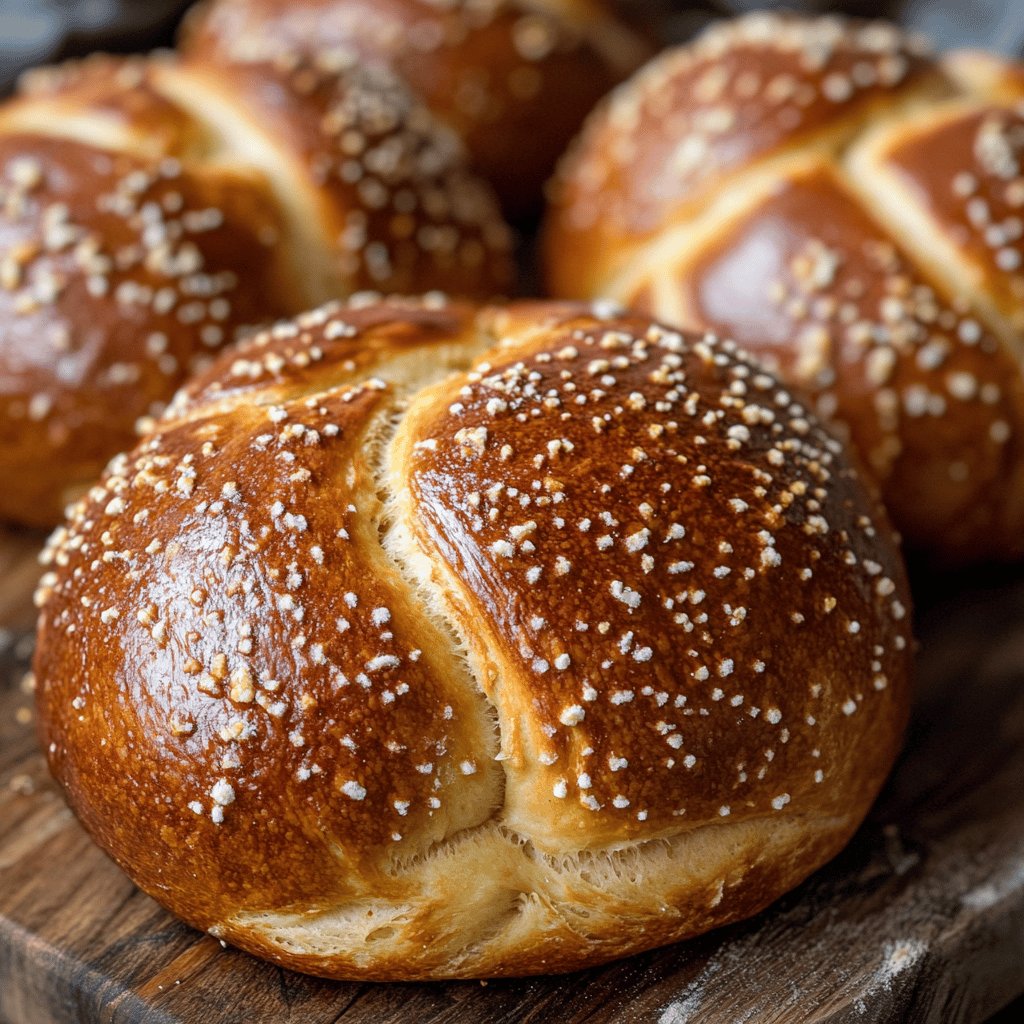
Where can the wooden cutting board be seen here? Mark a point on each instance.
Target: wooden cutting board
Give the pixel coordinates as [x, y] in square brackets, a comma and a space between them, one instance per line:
[920, 919]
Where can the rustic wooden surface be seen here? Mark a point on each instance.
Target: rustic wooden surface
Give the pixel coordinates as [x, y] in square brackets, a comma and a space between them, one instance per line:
[921, 919]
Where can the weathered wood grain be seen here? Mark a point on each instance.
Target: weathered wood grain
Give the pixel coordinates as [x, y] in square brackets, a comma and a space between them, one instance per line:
[920, 920]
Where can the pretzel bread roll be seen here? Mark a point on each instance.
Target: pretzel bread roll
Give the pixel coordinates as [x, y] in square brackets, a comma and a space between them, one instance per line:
[513, 79]
[848, 208]
[118, 277]
[150, 214]
[425, 641]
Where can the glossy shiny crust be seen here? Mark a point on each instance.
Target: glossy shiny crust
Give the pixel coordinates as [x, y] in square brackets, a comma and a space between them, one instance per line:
[288, 360]
[624, 508]
[118, 277]
[746, 91]
[986, 74]
[866, 239]
[149, 212]
[376, 190]
[931, 399]
[401, 595]
[116, 97]
[965, 167]
[512, 78]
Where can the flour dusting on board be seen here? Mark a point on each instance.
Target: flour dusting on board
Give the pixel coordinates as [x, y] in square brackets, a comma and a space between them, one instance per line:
[995, 890]
[685, 1009]
[690, 1007]
[681, 1011]
[897, 956]
[690, 1010]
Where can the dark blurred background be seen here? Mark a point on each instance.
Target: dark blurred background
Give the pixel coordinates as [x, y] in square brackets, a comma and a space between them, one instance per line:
[993, 24]
[39, 31]
[42, 31]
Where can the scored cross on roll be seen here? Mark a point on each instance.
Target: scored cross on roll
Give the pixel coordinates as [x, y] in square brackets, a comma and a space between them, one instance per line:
[153, 209]
[150, 212]
[851, 210]
[513, 79]
[420, 640]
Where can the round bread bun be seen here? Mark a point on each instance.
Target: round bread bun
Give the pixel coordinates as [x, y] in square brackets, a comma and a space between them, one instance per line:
[513, 79]
[848, 208]
[151, 213]
[427, 641]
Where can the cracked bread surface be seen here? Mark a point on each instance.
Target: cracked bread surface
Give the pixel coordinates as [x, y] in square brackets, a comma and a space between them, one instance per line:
[424, 640]
[845, 204]
[154, 210]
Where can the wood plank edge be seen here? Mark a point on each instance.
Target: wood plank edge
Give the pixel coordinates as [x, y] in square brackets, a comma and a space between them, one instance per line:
[40, 984]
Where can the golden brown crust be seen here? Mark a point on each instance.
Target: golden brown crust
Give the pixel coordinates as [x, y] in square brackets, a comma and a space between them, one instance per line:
[868, 247]
[118, 277]
[212, 199]
[810, 284]
[286, 707]
[624, 515]
[986, 74]
[575, 913]
[964, 167]
[382, 187]
[747, 90]
[513, 79]
[287, 360]
[118, 95]
[333, 607]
